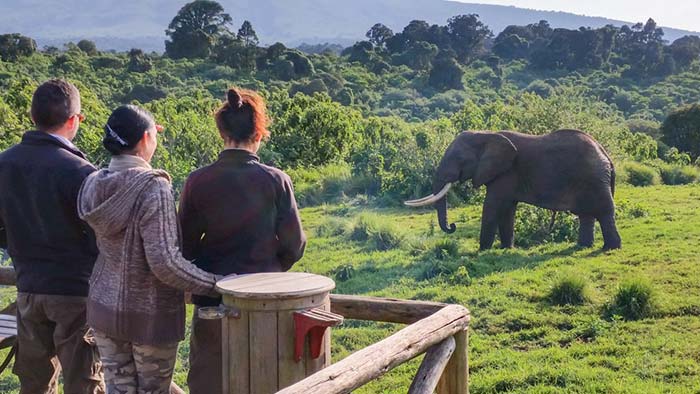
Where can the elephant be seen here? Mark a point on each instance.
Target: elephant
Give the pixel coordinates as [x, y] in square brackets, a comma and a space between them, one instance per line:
[566, 170]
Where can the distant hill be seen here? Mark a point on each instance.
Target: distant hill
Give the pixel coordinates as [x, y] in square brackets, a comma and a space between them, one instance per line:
[142, 23]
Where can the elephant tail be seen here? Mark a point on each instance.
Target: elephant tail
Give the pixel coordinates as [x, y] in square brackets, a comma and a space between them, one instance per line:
[612, 168]
[612, 178]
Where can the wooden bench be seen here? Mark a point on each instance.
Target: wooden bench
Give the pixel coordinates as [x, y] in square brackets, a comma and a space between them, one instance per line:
[8, 334]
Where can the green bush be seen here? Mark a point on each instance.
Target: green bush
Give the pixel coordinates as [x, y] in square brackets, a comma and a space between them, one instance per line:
[434, 268]
[461, 277]
[533, 226]
[319, 185]
[344, 272]
[635, 299]
[569, 289]
[379, 233]
[640, 174]
[678, 175]
[627, 208]
[332, 227]
[445, 249]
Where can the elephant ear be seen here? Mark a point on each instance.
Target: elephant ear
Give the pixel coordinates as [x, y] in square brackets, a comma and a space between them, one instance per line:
[496, 158]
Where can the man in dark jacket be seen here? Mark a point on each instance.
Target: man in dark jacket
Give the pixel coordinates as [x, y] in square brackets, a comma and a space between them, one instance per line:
[52, 250]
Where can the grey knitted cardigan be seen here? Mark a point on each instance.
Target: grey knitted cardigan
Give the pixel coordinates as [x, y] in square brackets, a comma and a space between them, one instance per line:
[136, 288]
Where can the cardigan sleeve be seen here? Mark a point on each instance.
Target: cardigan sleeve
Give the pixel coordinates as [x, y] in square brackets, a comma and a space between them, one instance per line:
[160, 234]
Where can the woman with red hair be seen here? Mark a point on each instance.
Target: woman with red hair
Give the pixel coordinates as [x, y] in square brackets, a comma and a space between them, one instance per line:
[238, 216]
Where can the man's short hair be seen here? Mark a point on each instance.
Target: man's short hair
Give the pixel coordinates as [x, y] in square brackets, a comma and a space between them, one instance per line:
[53, 103]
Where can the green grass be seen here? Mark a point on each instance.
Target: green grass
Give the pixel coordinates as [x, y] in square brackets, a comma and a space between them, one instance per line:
[521, 341]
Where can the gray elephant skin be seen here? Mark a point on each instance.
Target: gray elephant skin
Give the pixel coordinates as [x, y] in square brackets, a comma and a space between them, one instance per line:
[566, 170]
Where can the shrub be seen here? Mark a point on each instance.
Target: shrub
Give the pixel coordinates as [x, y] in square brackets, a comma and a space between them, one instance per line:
[678, 175]
[344, 272]
[627, 208]
[635, 299]
[445, 249]
[533, 226]
[332, 227]
[434, 268]
[640, 175]
[322, 184]
[461, 277]
[569, 289]
[381, 234]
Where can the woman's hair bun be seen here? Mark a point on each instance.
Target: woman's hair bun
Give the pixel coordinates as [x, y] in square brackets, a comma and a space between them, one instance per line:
[234, 99]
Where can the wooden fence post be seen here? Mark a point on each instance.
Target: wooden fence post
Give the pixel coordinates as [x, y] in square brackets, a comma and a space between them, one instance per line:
[455, 379]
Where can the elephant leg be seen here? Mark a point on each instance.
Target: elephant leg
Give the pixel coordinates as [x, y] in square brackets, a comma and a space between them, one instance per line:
[611, 238]
[585, 230]
[506, 226]
[489, 222]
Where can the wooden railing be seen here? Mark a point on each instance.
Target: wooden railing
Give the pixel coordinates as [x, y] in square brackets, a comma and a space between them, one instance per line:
[436, 329]
[439, 330]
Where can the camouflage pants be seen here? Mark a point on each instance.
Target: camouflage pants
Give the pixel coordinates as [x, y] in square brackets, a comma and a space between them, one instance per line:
[132, 368]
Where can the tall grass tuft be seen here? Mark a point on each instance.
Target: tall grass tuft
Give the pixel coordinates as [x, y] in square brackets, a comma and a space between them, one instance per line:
[445, 249]
[678, 175]
[379, 233]
[635, 299]
[569, 289]
[319, 185]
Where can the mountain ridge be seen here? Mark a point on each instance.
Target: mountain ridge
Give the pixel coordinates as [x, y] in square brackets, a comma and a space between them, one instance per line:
[142, 23]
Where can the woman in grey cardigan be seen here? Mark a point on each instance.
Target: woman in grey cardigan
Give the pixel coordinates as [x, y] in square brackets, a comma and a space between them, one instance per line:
[136, 300]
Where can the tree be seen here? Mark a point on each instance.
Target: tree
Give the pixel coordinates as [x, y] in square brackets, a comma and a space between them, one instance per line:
[13, 46]
[248, 39]
[685, 50]
[681, 129]
[416, 31]
[446, 73]
[195, 29]
[420, 55]
[232, 52]
[467, 35]
[379, 34]
[247, 35]
[138, 61]
[88, 47]
[642, 47]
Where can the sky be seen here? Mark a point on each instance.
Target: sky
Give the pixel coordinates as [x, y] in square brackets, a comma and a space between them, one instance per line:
[682, 14]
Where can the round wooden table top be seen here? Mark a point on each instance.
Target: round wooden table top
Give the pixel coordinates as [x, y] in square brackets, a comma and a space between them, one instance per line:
[275, 285]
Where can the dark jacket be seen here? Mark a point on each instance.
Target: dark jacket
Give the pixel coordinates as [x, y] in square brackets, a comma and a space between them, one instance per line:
[239, 216]
[52, 250]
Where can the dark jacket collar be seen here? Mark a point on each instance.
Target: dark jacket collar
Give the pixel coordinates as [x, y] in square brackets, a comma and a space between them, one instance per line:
[41, 138]
[237, 156]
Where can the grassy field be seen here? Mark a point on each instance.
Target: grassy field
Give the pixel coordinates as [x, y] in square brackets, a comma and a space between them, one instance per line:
[547, 319]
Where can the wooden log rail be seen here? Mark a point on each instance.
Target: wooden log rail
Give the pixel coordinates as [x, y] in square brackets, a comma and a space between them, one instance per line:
[374, 361]
[437, 329]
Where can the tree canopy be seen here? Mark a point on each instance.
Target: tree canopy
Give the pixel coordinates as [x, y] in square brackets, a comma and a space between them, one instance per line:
[195, 29]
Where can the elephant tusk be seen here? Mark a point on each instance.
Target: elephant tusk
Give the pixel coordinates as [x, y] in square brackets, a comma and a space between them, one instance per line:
[418, 203]
[420, 200]
[429, 199]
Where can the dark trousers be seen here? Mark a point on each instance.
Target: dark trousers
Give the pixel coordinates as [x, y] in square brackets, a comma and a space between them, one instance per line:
[205, 375]
[52, 336]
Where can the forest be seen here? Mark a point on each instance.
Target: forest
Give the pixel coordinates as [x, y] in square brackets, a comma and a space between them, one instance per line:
[362, 128]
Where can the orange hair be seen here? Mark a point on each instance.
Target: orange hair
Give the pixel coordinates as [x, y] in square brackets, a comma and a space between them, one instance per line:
[243, 117]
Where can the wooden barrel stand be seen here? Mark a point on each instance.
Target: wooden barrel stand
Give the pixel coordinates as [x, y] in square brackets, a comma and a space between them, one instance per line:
[258, 339]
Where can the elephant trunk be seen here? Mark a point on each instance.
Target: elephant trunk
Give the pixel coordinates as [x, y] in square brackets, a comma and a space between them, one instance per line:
[441, 207]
